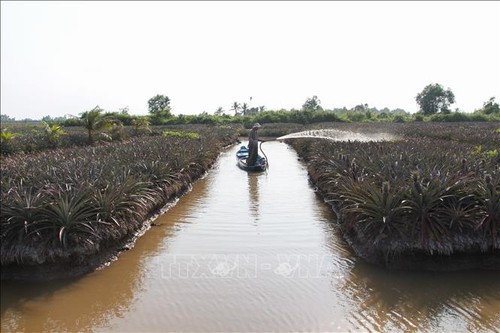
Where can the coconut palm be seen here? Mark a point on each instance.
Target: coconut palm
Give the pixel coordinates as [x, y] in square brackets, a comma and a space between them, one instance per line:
[244, 109]
[6, 137]
[141, 125]
[94, 120]
[53, 132]
[219, 111]
[236, 108]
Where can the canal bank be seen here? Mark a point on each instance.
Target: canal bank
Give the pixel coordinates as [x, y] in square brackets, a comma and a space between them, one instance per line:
[69, 229]
[258, 253]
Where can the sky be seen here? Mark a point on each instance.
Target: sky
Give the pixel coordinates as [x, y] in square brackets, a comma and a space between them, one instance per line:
[62, 58]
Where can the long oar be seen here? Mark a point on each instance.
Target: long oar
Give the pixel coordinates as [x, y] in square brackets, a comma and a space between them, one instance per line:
[260, 147]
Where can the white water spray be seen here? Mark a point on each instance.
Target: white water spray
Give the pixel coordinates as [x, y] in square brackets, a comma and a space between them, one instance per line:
[337, 135]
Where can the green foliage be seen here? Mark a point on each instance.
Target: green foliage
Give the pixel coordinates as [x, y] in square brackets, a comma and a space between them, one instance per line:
[94, 120]
[491, 107]
[490, 155]
[6, 138]
[53, 133]
[355, 116]
[72, 122]
[159, 108]
[398, 119]
[6, 135]
[478, 150]
[158, 103]
[119, 126]
[457, 116]
[312, 104]
[434, 99]
[451, 117]
[141, 126]
[419, 117]
[188, 135]
[123, 117]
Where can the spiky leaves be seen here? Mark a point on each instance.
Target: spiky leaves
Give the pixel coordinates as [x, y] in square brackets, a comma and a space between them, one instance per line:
[70, 212]
[70, 203]
[376, 213]
[426, 202]
[19, 216]
[439, 201]
[489, 210]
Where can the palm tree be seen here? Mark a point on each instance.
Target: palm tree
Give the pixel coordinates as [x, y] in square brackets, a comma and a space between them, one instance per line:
[244, 109]
[94, 120]
[53, 132]
[141, 125]
[236, 108]
[219, 111]
[6, 137]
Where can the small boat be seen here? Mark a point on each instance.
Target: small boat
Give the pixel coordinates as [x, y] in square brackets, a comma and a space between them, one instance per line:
[241, 158]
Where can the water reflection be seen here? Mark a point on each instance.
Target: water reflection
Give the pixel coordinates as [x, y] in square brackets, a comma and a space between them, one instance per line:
[384, 300]
[73, 305]
[253, 190]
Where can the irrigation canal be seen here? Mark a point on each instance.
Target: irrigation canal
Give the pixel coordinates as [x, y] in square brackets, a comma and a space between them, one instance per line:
[251, 253]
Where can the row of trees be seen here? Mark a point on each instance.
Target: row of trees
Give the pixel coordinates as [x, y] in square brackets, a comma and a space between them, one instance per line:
[243, 109]
[432, 100]
[116, 126]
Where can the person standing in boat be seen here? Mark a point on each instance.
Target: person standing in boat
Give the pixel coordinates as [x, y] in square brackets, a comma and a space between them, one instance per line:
[253, 144]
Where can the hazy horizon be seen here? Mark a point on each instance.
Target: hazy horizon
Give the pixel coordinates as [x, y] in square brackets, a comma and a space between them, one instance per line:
[63, 58]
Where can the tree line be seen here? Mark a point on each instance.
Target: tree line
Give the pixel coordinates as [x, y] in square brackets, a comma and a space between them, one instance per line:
[434, 103]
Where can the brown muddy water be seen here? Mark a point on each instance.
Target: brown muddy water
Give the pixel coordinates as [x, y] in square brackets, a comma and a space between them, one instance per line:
[252, 253]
